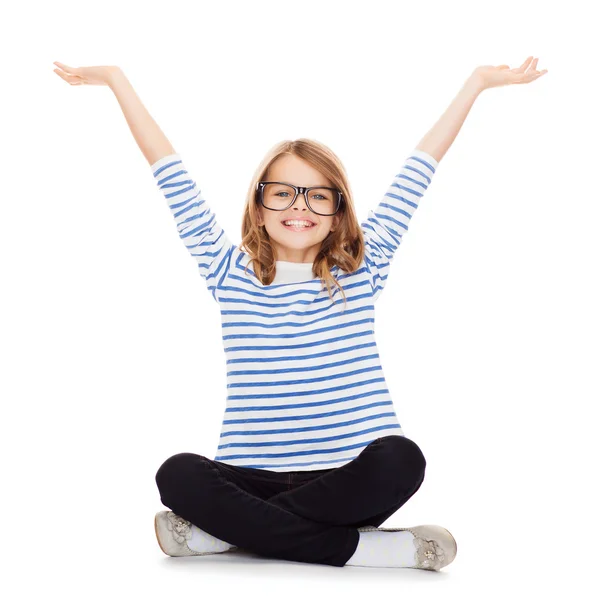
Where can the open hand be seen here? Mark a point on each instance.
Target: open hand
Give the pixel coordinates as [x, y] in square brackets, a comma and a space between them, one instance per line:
[85, 75]
[489, 76]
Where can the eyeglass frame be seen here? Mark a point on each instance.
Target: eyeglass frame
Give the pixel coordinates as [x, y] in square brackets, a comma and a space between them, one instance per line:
[260, 186]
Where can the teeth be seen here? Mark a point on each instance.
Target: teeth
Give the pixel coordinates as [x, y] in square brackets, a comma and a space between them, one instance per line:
[298, 223]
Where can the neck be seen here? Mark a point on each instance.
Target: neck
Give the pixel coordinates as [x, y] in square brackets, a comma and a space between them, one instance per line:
[297, 255]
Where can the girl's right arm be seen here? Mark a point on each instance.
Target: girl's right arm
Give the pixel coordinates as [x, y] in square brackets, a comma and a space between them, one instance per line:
[149, 137]
[198, 229]
[196, 223]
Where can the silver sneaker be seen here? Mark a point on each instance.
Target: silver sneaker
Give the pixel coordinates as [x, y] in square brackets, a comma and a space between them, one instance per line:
[435, 546]
[173, 532]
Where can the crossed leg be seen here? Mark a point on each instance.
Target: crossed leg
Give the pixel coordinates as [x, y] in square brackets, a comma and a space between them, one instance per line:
[315, 522]
[365, 491]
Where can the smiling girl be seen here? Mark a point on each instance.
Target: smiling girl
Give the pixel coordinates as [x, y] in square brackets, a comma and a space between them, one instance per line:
[312, 457]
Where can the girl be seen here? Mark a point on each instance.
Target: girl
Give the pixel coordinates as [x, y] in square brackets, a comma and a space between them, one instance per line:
[312, 456]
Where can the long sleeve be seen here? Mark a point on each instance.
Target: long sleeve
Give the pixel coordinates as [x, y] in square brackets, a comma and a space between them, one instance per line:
[196, 223]
[385, 226]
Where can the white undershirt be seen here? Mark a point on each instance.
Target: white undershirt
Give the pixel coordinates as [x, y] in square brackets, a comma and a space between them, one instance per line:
[292, 272]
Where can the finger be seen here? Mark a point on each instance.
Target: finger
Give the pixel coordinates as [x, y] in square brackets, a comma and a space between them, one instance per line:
[72, 79]
[532, 77]
[66, 68]
[60, 74]
[533, 66]
[63, 66]
[522, 68]
[538, 75]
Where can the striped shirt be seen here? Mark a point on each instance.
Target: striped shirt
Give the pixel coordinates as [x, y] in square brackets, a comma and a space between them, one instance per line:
[305, 386]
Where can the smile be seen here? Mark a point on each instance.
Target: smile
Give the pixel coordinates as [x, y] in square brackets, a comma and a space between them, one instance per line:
[297, 224]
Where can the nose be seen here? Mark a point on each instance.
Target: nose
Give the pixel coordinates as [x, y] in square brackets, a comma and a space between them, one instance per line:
[298, 205]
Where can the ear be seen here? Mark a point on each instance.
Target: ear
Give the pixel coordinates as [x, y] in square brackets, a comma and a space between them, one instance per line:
[261, 220]
[335, 222]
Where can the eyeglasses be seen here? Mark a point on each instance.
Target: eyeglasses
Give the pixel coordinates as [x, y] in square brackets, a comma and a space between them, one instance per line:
[276, 195]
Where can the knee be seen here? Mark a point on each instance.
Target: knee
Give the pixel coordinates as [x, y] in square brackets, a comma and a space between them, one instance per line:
[407, 457]
[174, 471]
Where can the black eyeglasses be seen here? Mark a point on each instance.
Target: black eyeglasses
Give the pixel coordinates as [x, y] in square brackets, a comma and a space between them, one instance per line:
[275, 195]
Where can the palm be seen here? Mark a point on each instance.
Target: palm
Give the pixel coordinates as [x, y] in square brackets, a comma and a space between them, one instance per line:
[491, 76]
[84, 75]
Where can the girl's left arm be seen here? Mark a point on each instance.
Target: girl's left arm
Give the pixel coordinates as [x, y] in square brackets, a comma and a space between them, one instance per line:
[440, 137]
[385, 225]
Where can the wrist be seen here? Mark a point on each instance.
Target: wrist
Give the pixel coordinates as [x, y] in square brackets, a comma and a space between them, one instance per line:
[475, 83]
[114, 75]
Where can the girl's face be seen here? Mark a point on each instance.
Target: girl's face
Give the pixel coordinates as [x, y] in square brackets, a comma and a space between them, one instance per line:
[291, 245]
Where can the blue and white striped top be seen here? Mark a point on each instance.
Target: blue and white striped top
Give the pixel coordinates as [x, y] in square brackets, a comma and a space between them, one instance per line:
[305, 385]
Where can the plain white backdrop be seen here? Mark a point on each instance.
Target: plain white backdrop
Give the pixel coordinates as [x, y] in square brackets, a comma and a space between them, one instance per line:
[487, 329]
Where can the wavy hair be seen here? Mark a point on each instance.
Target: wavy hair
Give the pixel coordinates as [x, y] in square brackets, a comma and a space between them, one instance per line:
[343, 247]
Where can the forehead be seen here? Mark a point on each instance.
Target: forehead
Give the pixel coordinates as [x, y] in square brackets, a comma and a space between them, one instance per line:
[289, 168]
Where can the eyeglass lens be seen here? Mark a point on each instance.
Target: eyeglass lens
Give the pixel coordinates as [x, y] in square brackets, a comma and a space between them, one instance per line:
[277, 196]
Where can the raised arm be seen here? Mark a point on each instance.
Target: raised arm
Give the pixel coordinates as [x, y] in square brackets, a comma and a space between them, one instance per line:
[386, 225]
[196, 224]
[441, 136]
[149, 137]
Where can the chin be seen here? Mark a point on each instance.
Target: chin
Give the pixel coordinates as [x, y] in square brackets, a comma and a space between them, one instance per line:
[298, 244]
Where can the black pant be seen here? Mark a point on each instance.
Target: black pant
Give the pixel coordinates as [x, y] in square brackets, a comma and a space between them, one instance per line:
[305, 516]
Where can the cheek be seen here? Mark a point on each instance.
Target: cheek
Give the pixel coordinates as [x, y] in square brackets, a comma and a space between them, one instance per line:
[270, 222]
[274, 228]
[328, 224]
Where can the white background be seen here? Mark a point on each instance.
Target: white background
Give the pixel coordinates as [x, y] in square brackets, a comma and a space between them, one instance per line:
[487, 329]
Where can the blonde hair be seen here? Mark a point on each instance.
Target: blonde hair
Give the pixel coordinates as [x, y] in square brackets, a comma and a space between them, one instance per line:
[343, 247]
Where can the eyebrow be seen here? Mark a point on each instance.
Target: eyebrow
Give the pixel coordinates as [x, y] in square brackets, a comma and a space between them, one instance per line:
[308, 186]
